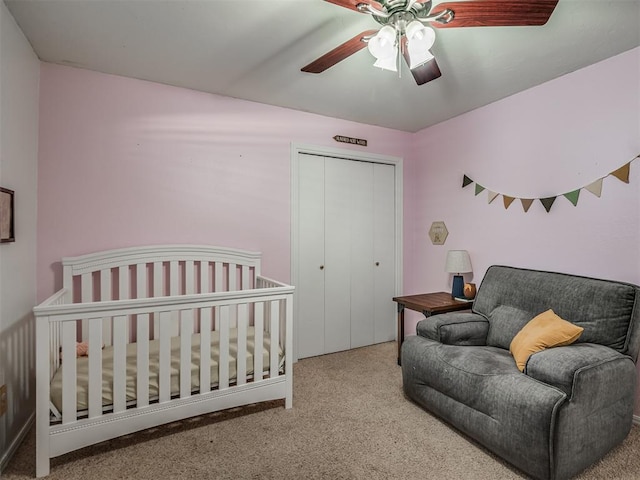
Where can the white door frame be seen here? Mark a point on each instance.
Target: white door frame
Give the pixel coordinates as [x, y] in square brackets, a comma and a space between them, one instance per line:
[296, 150]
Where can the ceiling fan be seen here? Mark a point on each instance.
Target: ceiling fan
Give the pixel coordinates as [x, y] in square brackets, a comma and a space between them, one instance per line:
[405, 30]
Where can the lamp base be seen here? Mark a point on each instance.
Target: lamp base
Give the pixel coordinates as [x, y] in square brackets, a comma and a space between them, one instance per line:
[458, 287]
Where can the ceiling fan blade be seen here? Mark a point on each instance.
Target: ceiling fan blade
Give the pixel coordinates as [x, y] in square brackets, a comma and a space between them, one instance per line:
[426, 72]
[496, 13]
[339, 53]
[353, 4]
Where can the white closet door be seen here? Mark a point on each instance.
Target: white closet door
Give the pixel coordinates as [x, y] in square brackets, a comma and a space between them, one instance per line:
[310, 289]
[337, 254]
[384, 253]
[346, 254]
[362, 263]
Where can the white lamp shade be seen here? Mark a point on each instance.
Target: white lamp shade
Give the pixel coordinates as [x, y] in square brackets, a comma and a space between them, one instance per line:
[388, 63]
[419, 40]
[418, 57]
[421, 36]
[383, 44]
[458, 261]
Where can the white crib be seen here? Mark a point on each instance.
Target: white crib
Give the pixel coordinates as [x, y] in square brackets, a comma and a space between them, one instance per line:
[172, 332]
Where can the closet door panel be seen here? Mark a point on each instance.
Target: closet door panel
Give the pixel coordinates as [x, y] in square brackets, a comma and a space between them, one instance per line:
[337, 244]
[384, 253]
[310, 289]
[362, 264]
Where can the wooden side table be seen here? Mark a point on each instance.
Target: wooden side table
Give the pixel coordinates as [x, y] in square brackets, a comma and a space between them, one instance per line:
[429, 304]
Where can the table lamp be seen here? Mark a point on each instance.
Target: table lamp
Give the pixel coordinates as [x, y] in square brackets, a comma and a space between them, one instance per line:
[458, 262]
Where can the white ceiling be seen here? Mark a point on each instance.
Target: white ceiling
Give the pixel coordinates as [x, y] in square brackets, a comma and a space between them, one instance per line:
[254, 49]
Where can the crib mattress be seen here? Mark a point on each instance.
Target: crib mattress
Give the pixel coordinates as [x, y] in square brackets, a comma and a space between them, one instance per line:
[82, 368]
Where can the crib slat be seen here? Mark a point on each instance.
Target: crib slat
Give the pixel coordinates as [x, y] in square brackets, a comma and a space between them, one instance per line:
[190, 288]
[205, 350]
[218, 271]
[258, 341]
[233, 278]
[186, 326]
[105, 294]
[142, 367]
[119, 363]
[157, 292]
[246, 279]
[223, 362]
[241, 356]
[164, 379]
[123, 281]
[189, 280]
[95, 367]
[69, 372]
[274, 336]
[86, 295]
[174, 282]
[204, 277]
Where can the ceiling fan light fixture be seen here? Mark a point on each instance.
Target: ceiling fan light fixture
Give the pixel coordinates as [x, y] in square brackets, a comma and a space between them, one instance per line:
[420, 36]
[418, 57]
[388, 63]
[383, 44]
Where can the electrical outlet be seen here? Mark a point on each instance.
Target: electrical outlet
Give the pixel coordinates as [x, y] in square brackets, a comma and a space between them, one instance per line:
[3, 400]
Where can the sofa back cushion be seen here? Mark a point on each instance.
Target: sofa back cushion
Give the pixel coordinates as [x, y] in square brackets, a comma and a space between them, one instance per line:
[509, 297]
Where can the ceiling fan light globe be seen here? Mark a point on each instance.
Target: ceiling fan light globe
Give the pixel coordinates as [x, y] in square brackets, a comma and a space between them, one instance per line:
[383, 44]
[418, 57]
[389, 63]
[420, 35]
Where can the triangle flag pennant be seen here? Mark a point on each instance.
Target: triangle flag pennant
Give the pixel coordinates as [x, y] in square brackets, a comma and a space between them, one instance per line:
[622, 173]
[573, 196]
[526, 203]
[595, 187]
[492, 195]
[507, 201]
[479, 188]
[466, 181]
[548, 202]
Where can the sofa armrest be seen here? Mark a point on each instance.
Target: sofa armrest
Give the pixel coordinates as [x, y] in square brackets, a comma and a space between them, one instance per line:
[455, 328]
[561, 367]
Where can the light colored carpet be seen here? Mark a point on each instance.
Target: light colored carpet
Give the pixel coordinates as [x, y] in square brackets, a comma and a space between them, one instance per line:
[350, 421]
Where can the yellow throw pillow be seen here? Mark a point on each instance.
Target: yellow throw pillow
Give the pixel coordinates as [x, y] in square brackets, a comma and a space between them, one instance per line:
[544, 331]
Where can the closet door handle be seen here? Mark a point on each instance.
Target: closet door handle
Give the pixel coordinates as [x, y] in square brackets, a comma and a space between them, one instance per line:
[321, 267]
[377, 264]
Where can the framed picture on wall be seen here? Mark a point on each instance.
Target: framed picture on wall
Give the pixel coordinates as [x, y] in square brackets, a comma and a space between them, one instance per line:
[7, 230]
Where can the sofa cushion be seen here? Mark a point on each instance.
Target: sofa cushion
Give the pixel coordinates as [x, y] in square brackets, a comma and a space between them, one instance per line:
[603, 308]
[544, 331]
[561, 366]
[455, 328]
[505, 322]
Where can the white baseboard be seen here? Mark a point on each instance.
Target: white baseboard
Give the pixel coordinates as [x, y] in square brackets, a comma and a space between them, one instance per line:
[4, 461]
[636, 419]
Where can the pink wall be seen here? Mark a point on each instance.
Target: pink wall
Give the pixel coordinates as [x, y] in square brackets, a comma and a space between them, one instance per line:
[550, 139]
[126, 162]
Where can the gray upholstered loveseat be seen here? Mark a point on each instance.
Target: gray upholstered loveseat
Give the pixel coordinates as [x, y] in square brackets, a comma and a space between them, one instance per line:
[569, 407]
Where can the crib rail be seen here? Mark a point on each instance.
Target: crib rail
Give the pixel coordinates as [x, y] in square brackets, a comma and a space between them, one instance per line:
[59, 325]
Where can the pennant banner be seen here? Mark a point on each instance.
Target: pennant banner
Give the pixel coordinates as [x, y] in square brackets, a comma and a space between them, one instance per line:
[507, 201]
[595, 188]
[526, 203]
[573, 196]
